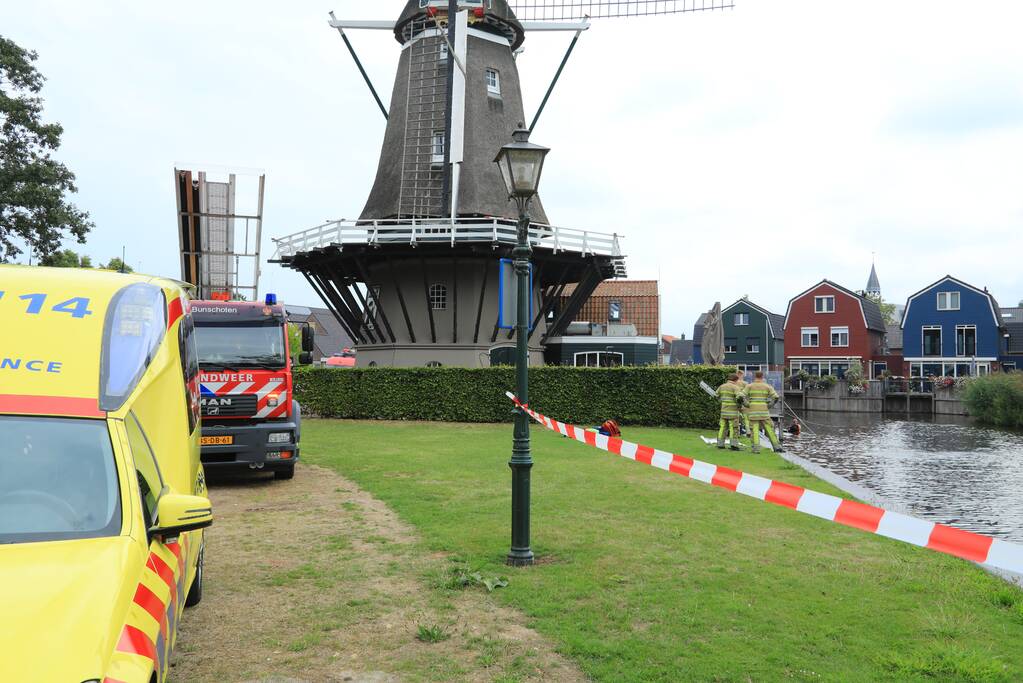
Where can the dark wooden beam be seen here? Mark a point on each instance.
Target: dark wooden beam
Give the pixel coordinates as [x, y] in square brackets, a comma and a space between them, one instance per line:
[376, 298]
[328, 294]
[331, 307]
[549, 301]
[429, 308]
[344, 305]
[401, 300]
[371, 323]
[575, 302]
[479, 309]
[358, 312]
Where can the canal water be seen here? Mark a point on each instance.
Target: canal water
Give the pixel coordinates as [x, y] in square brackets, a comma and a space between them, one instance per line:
[945, 470]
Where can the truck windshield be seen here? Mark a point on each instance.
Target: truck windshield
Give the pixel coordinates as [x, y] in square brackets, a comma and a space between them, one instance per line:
[240, 346]
[58, 480]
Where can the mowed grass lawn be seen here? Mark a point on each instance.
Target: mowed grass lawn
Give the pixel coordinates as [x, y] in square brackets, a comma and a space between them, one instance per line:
[644, 575]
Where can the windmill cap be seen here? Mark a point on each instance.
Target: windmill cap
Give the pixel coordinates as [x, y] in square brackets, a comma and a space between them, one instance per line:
[498, 19]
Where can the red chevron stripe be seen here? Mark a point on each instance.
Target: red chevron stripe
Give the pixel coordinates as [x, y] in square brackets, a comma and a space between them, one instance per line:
[164, 571]
[134, 641]
[150, 602]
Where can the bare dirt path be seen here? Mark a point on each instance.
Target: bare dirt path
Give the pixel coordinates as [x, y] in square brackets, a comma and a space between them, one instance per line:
[314, 580]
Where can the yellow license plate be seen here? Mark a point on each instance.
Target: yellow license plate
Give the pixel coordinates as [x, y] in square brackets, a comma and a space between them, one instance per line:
[217, 440]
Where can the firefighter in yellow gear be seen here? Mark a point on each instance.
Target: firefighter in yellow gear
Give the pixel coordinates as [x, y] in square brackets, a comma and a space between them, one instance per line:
[743, 409]
[728, 396]
[760, 395]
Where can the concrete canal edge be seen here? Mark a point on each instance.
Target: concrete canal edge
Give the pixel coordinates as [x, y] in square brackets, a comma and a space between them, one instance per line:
[867, 496]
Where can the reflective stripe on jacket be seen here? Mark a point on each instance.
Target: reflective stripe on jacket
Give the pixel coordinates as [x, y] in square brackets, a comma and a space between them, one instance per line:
[726, 394]
[760, 394]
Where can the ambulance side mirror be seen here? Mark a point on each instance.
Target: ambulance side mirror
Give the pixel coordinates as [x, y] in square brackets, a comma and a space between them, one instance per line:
[177, 513]
[307, 338]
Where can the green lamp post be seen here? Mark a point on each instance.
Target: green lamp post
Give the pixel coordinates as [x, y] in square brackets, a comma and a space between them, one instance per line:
[521, 163]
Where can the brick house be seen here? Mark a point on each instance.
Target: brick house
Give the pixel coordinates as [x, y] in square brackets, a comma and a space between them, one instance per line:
[827, 327]
[618, 325]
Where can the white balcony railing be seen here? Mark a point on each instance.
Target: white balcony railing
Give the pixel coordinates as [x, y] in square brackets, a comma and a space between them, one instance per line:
[441, 231]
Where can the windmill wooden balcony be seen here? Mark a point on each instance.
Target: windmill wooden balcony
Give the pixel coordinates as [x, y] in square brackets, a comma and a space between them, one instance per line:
[440, 231]
[426, 291]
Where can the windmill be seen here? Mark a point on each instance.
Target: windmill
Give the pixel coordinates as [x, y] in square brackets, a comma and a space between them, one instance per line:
[415, 280]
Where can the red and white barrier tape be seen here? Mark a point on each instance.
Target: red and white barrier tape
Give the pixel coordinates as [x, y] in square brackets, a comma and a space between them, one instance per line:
[944, 539]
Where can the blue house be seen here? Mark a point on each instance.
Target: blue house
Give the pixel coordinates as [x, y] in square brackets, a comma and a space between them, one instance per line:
[951, 329]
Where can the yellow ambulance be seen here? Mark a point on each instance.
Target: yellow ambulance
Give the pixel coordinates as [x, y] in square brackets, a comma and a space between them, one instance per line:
[102, 496]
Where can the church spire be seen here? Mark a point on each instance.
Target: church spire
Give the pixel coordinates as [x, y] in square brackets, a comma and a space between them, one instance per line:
[873, 284]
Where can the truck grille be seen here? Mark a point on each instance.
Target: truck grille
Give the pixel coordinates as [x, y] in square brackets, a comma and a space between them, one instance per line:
[237, 405]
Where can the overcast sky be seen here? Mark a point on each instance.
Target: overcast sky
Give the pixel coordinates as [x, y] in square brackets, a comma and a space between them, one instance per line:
[750, 151]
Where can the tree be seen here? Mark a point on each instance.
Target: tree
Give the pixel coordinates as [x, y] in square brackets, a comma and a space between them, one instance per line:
[66, 258]
[887, 310]
[33, 209]
[117, 264]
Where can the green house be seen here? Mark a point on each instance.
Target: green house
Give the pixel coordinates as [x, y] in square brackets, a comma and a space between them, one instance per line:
[754, 337]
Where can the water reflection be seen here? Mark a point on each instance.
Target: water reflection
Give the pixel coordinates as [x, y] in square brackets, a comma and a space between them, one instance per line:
[943, 469]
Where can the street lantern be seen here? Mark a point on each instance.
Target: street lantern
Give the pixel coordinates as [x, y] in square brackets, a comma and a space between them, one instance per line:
[521, 163]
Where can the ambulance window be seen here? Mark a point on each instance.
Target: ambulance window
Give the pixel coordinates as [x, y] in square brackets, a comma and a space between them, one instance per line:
[58, 480]
[146, 469]
[135, 324]
[190, 368]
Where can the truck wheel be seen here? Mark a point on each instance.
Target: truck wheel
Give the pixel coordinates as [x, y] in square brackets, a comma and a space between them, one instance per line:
[195, 592]
[285, 474]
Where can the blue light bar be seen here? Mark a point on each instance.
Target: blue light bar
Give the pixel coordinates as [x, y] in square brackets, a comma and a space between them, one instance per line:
[271, 300]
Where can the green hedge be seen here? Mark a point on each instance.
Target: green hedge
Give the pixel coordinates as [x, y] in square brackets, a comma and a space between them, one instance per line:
[996, 399]
[669, 396]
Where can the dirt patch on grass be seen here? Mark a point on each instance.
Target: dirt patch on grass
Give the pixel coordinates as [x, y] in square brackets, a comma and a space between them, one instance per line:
[314, 580]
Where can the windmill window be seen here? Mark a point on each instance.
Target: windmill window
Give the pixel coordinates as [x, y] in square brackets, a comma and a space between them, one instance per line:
[437, 148]
[433, 364]
[439, 297]
[614, 311]
[493, 82]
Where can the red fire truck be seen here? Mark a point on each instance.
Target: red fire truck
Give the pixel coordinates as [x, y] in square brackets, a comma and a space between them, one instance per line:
[249, 415]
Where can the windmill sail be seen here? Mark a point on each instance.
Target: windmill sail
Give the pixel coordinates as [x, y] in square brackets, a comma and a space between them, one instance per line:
[567, 10]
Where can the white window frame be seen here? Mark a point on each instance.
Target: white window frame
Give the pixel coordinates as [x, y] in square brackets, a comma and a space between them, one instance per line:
[946, 297]
[839, 331]
[809, 330]
[941, 340]
[753, 346]
[597, 355]
[741, 319]
[437, 143]
[493, 84]
[823, 298]
[439, 296]
[732, 348]
[433, 364]
[975, 341]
